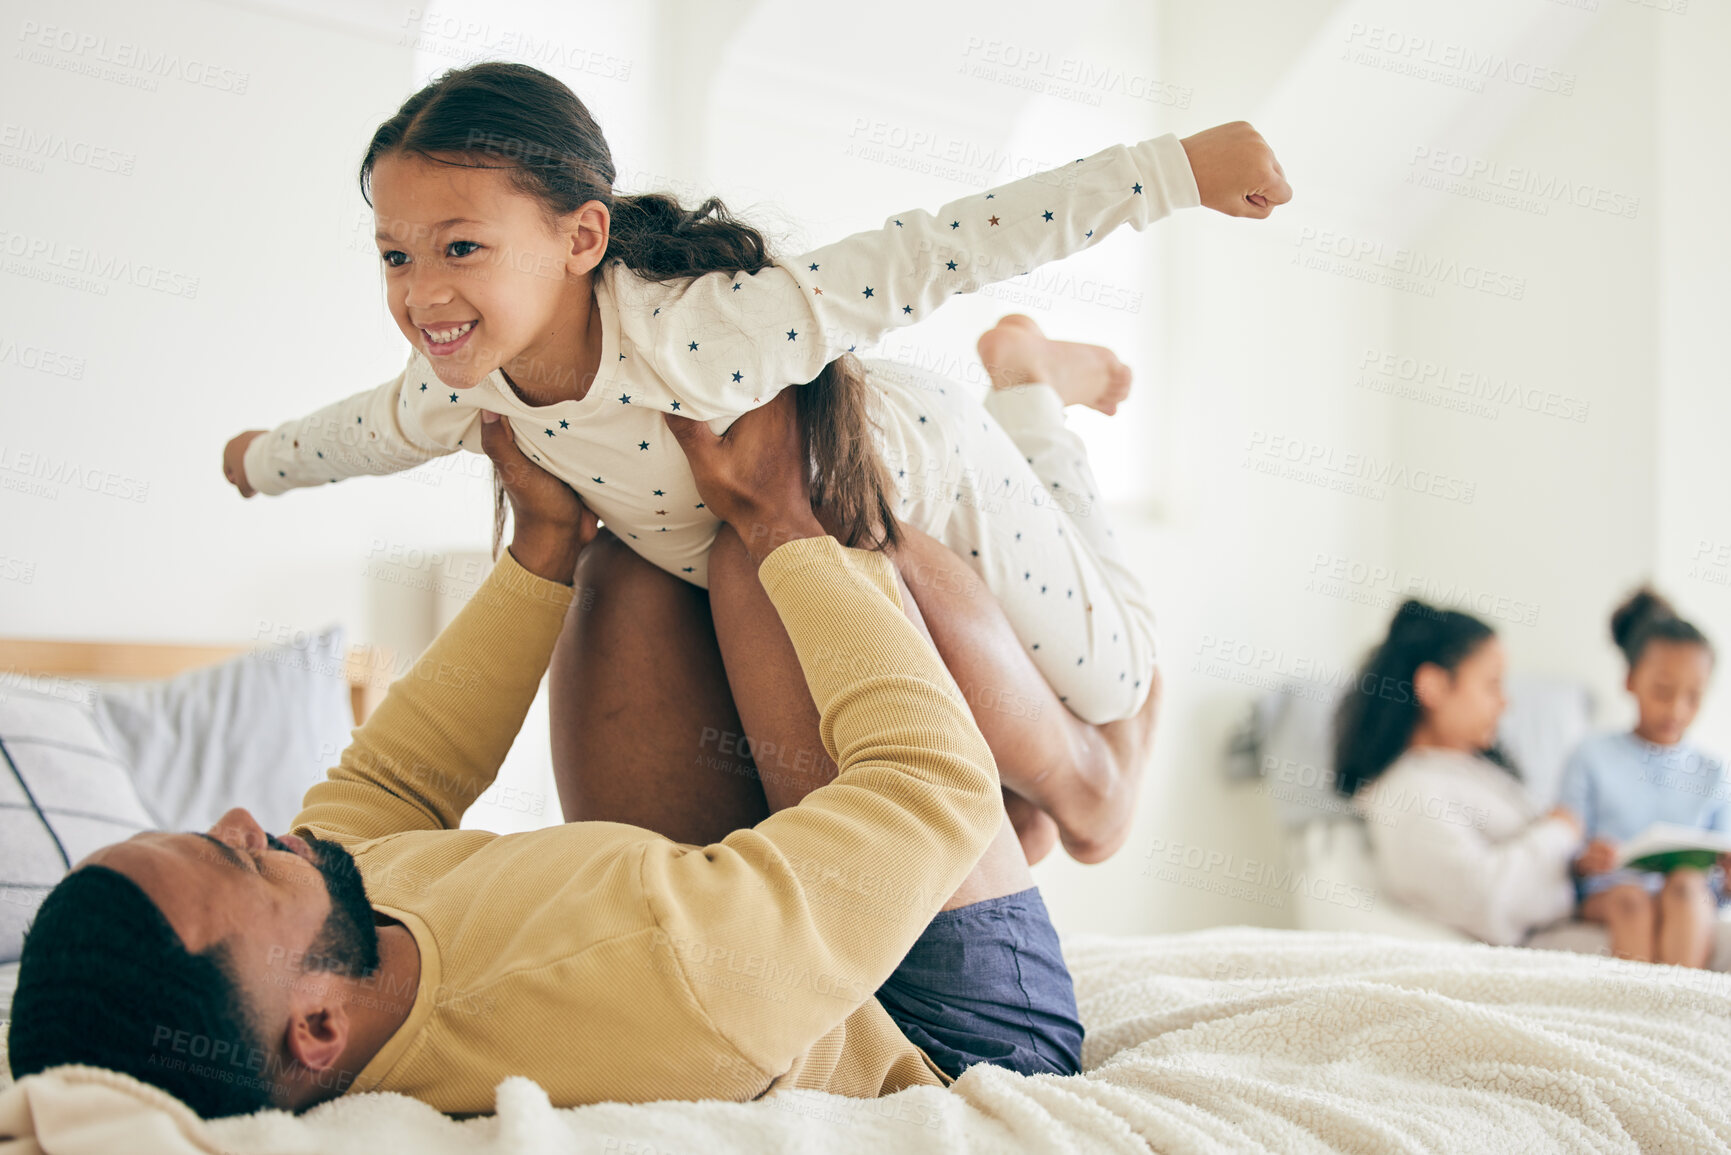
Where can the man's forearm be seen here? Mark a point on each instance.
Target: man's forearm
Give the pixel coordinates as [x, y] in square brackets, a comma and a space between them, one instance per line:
[919, 797]
[762, 535]
[547, 551]
[843, 883]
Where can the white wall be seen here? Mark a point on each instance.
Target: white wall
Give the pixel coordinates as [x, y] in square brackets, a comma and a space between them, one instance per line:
[1564, 514]
[1604, 313]
[1248, 339]
[252, 194]
[1692, 299]
[1249, 351]
[118, 524]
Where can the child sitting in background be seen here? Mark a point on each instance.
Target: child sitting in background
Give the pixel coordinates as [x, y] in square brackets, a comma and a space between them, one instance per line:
[1619, 784]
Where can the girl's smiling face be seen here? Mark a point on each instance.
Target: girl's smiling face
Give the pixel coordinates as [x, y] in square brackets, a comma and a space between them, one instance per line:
[477, 277]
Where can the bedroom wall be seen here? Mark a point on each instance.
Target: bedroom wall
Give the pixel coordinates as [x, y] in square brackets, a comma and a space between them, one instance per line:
[222, 175]
[1251, 341]
[1624, 300]
[245, 197]
[116, 400]
[1693, 299]
[1248, 353]
[1560, 440]
[1584, 463]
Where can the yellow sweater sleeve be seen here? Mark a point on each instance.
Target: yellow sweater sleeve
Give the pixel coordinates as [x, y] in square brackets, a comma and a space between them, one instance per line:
[437, 740]
[826, 897]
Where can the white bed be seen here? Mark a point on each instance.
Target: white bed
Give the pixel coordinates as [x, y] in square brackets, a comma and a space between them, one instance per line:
[1236, 1039]
[1231, 1039]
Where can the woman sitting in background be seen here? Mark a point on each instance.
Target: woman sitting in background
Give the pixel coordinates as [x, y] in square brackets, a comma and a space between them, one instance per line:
[1622, 783]
[1454, 834]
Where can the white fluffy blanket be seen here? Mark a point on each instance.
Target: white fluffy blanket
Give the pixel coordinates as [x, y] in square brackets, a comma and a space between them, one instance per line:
[1225, 1040]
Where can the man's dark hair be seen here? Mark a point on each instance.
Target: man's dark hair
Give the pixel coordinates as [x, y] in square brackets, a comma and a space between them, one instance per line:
[105, 981]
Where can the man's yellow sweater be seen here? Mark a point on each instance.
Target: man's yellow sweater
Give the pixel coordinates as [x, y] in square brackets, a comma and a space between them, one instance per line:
[607, 962]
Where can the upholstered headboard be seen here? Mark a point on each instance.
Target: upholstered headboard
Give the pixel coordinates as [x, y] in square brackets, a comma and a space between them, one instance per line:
[130, 661]
[1287, 742]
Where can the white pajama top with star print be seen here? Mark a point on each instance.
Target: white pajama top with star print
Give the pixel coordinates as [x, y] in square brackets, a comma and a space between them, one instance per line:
[716, 346]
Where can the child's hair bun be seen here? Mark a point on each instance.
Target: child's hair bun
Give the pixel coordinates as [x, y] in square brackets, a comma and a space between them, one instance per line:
[1640, 608]
[1646, 616]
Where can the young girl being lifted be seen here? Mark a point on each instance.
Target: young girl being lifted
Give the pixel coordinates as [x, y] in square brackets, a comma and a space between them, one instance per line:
[587, 319]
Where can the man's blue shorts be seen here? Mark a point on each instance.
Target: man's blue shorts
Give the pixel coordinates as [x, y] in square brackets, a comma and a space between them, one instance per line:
[986, 983]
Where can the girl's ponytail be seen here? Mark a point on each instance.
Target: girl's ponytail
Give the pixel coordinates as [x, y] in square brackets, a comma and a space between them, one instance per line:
[659, 239]
[850, 483]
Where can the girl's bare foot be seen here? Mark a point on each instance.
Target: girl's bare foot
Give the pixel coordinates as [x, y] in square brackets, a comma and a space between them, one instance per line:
[1015, 352]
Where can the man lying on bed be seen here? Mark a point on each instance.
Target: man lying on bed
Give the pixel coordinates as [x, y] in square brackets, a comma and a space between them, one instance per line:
[238, 970]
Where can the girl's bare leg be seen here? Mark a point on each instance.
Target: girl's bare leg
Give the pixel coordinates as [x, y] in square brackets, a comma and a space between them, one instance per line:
[782, 720]
[648, 651]
[1687, 912]
[1034, 828]
[1630, 914]
[1083, 777]
[643, 725]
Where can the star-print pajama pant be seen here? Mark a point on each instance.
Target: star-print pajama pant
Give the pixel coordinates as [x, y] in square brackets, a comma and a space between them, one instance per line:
[1007, 486]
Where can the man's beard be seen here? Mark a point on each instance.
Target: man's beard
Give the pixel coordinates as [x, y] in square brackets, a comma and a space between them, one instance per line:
[348, 942]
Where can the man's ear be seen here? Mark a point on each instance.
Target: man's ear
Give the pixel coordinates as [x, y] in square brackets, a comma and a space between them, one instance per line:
[318, 1030]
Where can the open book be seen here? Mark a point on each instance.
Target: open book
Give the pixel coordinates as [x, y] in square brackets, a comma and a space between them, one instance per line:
[1665, 846]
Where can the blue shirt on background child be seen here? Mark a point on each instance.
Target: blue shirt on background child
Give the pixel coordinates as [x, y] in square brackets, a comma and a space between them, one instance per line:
[1620, 784]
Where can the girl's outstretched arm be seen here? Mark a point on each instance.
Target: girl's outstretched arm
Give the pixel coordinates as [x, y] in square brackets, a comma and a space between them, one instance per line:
[375, 432]
[728, 343]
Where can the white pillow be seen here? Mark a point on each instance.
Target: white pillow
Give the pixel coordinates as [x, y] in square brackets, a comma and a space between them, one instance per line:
[64, 792]
[255, 731]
